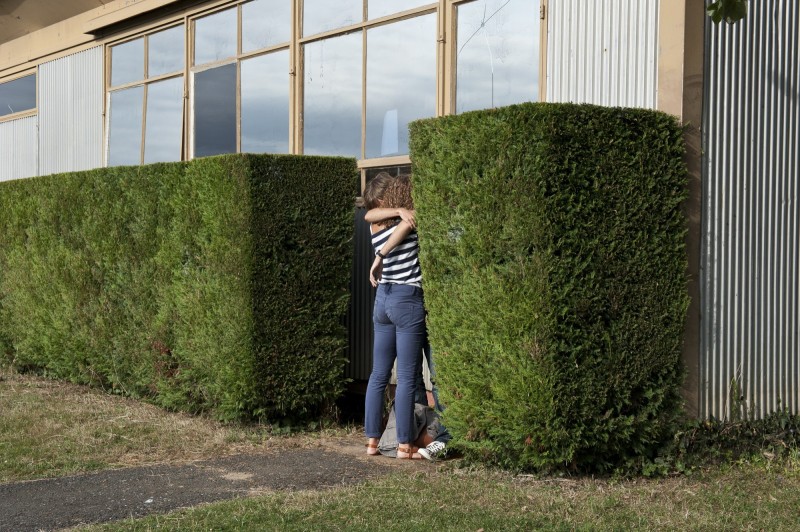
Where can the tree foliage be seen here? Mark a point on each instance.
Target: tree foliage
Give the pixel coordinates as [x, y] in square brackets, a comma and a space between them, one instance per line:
[731, 11]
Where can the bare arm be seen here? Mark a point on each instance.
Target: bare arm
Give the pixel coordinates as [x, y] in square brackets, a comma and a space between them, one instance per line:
[383, 213]
[400, 233]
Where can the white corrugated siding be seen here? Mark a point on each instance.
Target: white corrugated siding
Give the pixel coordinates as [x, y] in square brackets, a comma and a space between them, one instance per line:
[18, 148]
[750, 276]
[603, 52]
[71, 112]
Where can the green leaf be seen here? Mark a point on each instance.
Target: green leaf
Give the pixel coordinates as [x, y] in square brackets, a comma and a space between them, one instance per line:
[732, 11]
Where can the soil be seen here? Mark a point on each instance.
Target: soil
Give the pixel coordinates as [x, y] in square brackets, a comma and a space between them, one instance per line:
[112, 495]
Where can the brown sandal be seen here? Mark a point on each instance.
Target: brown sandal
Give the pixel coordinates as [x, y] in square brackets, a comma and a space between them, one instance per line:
[372, 448]
[408, 452]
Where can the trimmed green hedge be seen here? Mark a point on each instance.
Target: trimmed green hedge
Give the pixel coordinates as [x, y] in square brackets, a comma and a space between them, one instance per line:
[552, 247]
[215, 285]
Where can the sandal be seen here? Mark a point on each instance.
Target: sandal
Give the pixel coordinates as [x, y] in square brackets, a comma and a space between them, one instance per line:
[406, 451]
[372, 448]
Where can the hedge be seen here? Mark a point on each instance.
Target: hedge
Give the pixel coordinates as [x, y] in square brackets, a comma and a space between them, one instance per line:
[214, 285]
[553, 256]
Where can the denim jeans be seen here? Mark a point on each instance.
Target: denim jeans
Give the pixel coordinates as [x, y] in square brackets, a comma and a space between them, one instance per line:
[421, 394]
[399, 324]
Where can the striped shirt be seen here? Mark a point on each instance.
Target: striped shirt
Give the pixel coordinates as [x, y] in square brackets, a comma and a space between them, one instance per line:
[401, 266]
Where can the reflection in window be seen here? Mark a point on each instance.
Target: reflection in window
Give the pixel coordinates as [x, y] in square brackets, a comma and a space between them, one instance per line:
[125, 127]
[332, 96]
[18, 95]
[164, 121]
[215, 111]
[165, 52]
[401, 82]
[381, 8]
[324, 15]
[498, 53]
[265, 23]
[215, 37]
[127, 62]
[265, 103]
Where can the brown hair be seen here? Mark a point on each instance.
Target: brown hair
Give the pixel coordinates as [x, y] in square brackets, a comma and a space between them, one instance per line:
[398, 194]
[376, 188]
[392, 192]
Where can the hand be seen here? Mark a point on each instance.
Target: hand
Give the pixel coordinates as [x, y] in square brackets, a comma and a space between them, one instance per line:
[410, 217]
[375, 271]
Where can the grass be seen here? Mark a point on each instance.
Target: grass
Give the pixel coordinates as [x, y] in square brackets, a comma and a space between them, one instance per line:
[50, 428]
[760, 496]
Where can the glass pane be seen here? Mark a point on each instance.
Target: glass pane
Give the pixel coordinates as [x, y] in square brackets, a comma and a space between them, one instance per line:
[165, 52]
[125, 127]
[266, 23]
[332, 100]
[215, 37]
[381, 8]
[401, 82]
[324, 15]
[127, 62]
[164, 124]
[498, 53]
[265, 103]
[18, 95]
[215, 111]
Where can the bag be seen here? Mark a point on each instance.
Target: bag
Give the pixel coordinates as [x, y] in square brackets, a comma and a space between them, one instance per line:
[425, 418]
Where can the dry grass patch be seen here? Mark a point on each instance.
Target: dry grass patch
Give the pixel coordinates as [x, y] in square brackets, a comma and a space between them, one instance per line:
[50, 428]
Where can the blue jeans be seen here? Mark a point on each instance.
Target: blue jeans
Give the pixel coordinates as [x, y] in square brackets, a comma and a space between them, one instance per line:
[399, 322]
[421, 395]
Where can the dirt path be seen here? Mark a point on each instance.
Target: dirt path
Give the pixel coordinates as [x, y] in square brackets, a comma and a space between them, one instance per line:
[134, 492]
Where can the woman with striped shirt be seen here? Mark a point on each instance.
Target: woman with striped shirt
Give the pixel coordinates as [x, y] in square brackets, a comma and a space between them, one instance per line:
[398, 316]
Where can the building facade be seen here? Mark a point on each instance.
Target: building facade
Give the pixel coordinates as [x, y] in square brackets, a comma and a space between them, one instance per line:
[91, 84]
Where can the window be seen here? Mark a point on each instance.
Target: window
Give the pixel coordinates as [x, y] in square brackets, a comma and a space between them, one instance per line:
[265, 103]
[382, 8]
[497, 53]
[145, 109]
[312, 76]
[240, 81]
[265, 23]
[323, 15]
[332, 94]
[362, 86]
[125, 127]
[401, 82]
[215, 37]
[215, 111]
[18, 95]
[162, 137]
[127, 62]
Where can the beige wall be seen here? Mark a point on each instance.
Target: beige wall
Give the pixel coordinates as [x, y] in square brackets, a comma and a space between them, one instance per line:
[680, 93]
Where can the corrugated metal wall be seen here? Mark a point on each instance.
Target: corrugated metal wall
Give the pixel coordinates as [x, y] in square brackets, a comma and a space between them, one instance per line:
[362, 298]
[749, 272]
[71, 112]
[603, 52]
[18, 148]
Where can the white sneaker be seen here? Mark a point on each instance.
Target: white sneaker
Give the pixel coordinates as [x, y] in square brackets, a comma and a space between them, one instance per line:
[433, 451]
